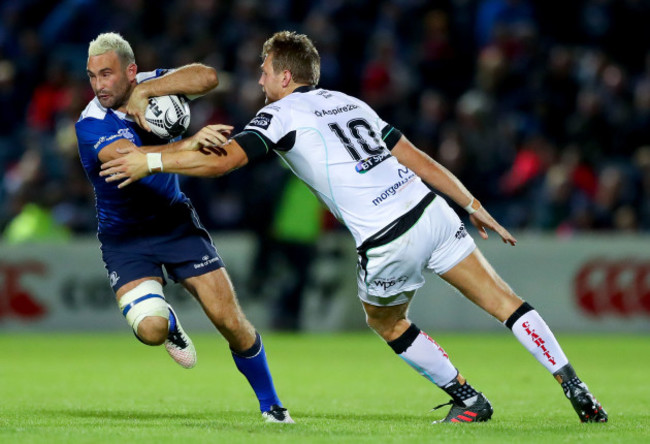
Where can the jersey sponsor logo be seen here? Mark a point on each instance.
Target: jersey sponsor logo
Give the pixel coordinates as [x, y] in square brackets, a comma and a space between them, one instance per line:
[537, 339]
[127, 134]
[262, 120]
[387, 283]
[122, 133]
[369, 163]
[613, 287]
[335, 111]
[393, 189]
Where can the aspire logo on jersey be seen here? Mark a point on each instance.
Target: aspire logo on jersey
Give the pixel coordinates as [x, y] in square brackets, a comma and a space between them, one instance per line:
[618, 287]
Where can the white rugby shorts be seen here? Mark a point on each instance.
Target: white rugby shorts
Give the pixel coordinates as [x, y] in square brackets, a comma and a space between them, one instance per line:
[394, 271]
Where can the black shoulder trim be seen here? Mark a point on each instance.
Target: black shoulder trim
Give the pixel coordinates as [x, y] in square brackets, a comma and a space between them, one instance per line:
[287, 142]
[391, 136]
[254, 144]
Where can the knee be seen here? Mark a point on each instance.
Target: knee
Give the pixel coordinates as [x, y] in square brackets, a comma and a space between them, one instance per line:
[153, 330]
[146, 311]
[384, 327]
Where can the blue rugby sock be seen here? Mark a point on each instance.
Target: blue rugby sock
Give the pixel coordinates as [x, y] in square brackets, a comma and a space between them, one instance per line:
[252, 364]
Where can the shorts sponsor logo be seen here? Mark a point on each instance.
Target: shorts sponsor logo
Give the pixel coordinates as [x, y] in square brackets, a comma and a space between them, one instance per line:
[335, 111]
[113, 278]
[262, 120]
[393, 189]
[206, 261]
[366, 165]
[462, 232]
[538, 341]
[387, 283]
[613, 287]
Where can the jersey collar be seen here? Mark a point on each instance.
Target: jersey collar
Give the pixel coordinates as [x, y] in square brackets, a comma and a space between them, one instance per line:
[304, 89]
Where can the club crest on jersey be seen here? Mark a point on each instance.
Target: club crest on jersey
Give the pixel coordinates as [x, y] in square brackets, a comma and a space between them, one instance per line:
[262, 120]
[369, 163]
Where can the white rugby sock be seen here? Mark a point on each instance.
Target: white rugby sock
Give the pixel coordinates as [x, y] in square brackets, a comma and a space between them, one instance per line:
[425, 356]
[533, 333]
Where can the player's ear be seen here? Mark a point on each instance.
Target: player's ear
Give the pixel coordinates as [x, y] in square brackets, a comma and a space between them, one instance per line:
[286, 78]
[131, 71]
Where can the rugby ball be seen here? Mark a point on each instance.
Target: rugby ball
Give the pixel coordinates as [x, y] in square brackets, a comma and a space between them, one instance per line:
[168, 116]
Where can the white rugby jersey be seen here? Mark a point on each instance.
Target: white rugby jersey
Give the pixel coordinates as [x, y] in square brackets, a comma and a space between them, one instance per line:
[336, 144]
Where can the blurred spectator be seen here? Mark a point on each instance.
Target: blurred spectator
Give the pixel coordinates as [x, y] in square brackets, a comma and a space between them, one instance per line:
[545, 115]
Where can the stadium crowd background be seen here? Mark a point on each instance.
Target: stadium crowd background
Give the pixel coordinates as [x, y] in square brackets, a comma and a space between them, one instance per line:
[541, 109]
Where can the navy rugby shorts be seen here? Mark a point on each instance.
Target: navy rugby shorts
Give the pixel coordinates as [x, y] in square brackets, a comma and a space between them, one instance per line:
[184, 251]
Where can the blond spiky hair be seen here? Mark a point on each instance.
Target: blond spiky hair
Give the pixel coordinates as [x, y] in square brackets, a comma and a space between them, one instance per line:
[112, 41]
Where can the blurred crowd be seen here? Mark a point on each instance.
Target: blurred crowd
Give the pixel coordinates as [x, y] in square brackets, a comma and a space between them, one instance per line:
[541, 109]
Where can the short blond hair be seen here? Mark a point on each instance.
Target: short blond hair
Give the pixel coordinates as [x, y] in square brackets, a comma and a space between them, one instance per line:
[112, 41]
[296, 53]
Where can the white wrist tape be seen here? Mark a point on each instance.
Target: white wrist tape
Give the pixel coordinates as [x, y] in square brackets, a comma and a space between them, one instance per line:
[473, 206]
[154, 162]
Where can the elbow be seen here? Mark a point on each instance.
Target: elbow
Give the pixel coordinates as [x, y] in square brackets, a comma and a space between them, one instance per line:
[211, 78]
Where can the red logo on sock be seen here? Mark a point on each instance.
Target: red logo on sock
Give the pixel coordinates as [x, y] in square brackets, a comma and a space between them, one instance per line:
[538, 341]
[430, 339]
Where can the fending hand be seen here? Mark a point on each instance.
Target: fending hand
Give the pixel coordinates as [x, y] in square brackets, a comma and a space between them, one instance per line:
[208, 136]
[127, 169]
[482, 220]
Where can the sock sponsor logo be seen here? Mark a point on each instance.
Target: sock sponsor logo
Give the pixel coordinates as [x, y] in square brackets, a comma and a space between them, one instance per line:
[430, 339]
[538, 341]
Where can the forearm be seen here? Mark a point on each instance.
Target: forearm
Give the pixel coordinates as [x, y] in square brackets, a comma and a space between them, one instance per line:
[166, 148]
[433, 173]
[192, 163]
[190, 80]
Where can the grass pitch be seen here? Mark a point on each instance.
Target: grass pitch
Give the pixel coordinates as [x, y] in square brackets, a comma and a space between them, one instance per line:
[108, 388]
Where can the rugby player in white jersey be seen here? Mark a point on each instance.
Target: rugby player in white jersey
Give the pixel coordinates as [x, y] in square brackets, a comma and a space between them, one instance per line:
[373, 180]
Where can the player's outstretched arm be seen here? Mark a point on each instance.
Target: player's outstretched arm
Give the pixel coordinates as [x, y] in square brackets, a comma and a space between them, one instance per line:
[190, 80]
[203, 155]
[444, 181]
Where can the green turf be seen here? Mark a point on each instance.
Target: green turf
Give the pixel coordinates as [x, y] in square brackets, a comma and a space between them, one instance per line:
[340, 388]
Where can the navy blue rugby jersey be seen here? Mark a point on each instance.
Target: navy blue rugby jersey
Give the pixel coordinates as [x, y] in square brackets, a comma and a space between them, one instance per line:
[142, 207]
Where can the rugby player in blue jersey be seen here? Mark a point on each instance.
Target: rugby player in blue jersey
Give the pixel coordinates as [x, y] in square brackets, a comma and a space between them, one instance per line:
[152, 226]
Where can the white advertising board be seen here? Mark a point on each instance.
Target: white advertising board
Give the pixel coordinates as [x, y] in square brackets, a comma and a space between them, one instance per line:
[586, 283]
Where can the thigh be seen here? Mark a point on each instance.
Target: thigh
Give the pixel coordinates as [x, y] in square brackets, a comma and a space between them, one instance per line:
[187, 252]
[128, 264]
[475, 278]
[452, 243]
